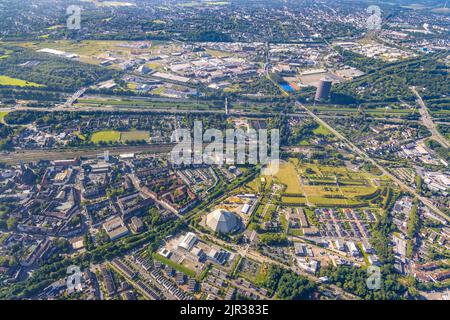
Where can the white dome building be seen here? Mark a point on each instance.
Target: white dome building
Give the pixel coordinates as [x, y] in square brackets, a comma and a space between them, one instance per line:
[222, 221]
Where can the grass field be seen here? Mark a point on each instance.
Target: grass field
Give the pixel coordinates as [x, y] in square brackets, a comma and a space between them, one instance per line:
[2, 116]
[288, 176]
[174, 265]
[5, 54]
[8, 81]
[322, 130]
[105, 136]
[116, 136]
[134, 136]
[293, 200]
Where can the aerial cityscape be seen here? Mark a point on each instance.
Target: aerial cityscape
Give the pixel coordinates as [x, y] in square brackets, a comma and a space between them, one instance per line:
[224, 150]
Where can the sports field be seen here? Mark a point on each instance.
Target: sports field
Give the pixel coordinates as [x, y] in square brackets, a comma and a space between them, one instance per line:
[106, 136]
[134, 136]
[116, 136]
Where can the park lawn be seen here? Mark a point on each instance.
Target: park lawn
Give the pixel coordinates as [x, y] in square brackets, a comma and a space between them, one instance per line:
[261, 275]
[134, 136]
[131, 85]
[6, 53]
[284, 222]
[296, 232]
[270, 211]
[8, 81]
[357, 191]
[288, 176]
[320, 187]
[365, 255]
[255, 185]
[320, 201]
[325, 170]
[173, 264]
[293, 200]
[252, 185]
[322, 190]
[322, 130]
[105, 136]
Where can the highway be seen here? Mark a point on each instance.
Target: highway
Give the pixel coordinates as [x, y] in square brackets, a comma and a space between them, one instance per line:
[231, 112]
[427, 120]
[361, 153]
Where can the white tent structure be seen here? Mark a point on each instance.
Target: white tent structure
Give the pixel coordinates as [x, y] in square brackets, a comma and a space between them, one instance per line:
[222, 221]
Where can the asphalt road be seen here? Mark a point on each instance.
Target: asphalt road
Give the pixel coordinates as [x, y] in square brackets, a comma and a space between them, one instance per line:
[427, 120]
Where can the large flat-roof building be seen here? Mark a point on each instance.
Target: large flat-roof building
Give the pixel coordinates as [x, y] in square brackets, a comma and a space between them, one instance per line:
[115, 228]
[188, 241]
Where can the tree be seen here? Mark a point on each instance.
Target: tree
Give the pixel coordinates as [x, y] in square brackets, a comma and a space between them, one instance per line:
[288, 285]
[11, 223]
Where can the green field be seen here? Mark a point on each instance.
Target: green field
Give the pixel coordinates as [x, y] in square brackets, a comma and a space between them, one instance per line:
[106, 136]
[7, 81]
[287, 175]
[293, 200]
[117, 136]
[322, 130]
[173, 264]
[2, 116]
[134, 136]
